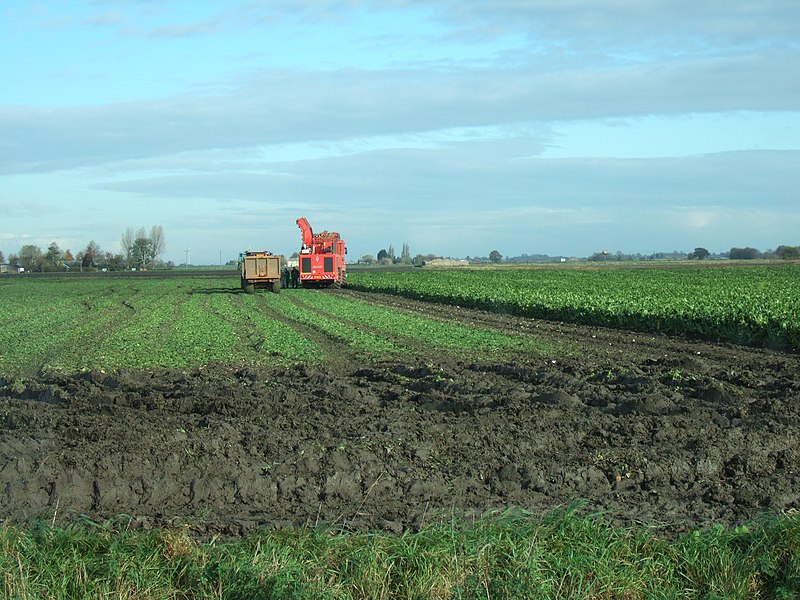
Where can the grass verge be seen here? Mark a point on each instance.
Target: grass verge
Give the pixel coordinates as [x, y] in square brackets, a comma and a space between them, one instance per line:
[568, 554]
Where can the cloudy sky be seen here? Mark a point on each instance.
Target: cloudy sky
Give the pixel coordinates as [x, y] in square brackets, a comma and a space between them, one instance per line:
[559, 127]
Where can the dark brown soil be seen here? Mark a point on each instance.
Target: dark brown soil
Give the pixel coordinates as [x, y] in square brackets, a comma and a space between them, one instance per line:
[656, 430]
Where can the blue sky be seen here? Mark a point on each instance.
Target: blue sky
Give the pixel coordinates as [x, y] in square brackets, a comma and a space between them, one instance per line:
[560, 127]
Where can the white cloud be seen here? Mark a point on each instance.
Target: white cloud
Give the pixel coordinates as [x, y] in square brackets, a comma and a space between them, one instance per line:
[700, 219]
[278, 108]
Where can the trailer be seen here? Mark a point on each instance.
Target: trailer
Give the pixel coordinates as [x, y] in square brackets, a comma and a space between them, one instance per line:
[260, 270]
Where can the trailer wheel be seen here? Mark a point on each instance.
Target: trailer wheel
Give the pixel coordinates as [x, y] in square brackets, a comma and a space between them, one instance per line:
[275, 286]
[249, 288]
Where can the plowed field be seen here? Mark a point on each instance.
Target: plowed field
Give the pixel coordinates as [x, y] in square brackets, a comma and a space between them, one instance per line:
[655, 429]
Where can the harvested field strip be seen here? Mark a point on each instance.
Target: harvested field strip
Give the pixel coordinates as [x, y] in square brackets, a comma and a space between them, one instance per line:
[262, 335]
[21, 300]
[105, 311]
[111, 324]
[199, 336]
[361, 343]
[436, 334]
[66, 336]
[410, 345]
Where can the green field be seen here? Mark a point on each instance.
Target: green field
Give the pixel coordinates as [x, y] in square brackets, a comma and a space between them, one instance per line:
[76, 324]
[65, 325]
[754, 305]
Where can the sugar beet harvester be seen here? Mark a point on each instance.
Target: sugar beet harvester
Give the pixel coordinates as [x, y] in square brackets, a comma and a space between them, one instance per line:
[322, 257]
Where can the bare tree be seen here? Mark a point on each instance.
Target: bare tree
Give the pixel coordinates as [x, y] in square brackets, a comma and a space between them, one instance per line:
[156, 242]
[141, 249]
[405, 255]
[127, 245]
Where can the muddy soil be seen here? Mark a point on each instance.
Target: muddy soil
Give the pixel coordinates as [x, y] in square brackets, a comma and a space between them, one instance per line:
[657, 430]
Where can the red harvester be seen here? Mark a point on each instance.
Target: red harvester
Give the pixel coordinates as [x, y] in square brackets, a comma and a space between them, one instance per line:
[322, 257]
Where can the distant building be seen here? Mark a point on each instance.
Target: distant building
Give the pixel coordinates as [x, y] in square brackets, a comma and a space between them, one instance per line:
[446, 262]
[5, 268]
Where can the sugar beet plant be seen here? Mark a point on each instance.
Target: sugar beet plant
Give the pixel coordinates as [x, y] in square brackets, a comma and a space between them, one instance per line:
[754, 305]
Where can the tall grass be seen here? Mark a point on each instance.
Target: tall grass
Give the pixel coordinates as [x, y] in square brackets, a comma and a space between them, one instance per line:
[569, 554]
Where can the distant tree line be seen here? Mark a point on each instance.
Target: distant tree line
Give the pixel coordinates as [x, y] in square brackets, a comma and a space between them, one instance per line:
[140, 251]
[747, 253]
[781, 252]
[32, 259]
[386, 256]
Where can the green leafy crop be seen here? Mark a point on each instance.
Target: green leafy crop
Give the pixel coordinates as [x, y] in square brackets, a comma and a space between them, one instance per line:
[759, 305]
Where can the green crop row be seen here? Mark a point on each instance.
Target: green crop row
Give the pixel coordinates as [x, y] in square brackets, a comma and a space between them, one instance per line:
[261, 335]
[416, 330]
[68, 325]
[754, 305]
[365, 344]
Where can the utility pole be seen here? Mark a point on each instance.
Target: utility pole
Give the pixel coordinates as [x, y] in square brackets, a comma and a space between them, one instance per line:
[188, 253]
